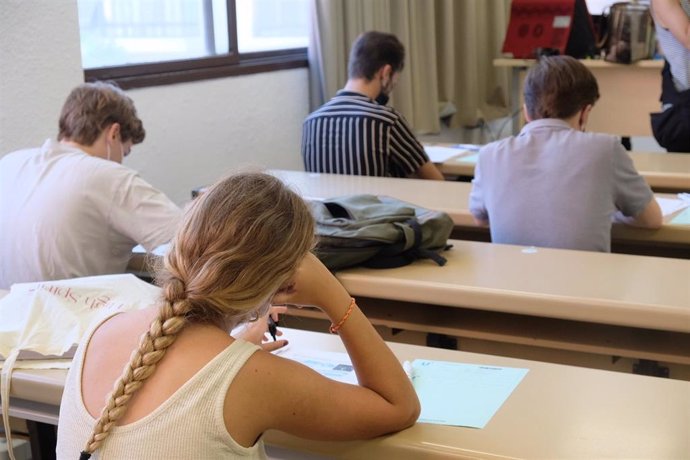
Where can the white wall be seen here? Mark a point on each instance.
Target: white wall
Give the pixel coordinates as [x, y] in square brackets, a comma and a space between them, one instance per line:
[40, 63]
[196, 132]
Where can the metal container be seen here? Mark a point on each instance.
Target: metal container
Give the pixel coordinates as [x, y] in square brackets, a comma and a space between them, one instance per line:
[630, 33]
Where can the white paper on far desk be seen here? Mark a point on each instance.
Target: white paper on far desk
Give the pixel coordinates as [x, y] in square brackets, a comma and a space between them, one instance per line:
[439, 154]
[159, 251]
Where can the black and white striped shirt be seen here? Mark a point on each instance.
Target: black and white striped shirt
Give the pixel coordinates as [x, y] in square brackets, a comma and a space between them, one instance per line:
[353, 134]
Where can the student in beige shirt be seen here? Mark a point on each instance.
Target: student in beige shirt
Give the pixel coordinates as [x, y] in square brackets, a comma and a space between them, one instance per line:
[70, 208]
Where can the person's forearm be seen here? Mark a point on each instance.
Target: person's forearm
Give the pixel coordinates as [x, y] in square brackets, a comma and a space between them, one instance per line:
[376, 366]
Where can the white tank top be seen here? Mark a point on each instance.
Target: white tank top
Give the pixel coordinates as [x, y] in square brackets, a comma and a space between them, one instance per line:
[187, 425]
[677, 55]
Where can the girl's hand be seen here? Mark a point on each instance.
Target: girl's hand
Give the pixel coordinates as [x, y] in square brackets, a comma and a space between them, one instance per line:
[256, 331]
[313, 284]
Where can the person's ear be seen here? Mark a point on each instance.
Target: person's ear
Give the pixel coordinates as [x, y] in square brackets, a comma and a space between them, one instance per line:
[113, 131]
[385, 73]
[584, 115]
[525, 113]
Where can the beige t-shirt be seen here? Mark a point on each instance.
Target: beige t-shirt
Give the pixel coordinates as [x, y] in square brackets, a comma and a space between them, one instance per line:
[66, 214]
[188, 425]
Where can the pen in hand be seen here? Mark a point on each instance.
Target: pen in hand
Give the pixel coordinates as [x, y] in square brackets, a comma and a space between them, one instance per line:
[272, 327]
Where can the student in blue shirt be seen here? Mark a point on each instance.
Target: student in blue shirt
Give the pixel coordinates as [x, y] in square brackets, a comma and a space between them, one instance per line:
[555, 185]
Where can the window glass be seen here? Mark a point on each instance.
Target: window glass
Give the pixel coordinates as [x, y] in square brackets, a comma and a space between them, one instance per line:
[121, 32]
[264, 25]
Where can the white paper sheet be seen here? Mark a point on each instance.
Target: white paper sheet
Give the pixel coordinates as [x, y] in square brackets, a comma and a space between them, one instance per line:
[671, 205]
[439, 154]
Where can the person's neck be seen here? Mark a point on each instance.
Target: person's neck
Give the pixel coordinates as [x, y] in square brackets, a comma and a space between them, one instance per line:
[370, 88]
[574, 121]
[95, 149]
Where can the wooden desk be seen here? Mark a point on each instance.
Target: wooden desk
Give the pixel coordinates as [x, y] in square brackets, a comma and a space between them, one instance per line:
[667, 172]
[629, 93]
[664, 172]
[616, 289]
[556, 412]
[636, 307]
[608, 304]
[453, 197]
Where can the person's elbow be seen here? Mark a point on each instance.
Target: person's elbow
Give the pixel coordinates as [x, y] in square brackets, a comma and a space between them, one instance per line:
[412, 412]
[430, 171]
[651, 216]
[481, 219]
[407, 414]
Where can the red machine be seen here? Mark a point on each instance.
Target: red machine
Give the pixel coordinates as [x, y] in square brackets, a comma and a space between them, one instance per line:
[549, 27]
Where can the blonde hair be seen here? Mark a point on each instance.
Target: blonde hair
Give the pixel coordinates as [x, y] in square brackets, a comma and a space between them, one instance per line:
[92, 107]
[238, 243]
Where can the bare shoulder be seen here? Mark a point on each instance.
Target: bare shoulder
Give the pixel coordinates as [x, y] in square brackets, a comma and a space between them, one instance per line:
[120, 334]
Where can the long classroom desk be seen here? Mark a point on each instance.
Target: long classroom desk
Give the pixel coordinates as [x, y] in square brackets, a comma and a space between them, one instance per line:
[664, 172]
[557, 411]
[636, 307]
[608, 304]
[671, 240]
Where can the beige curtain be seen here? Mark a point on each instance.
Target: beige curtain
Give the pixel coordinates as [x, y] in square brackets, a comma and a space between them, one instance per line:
[450, 46]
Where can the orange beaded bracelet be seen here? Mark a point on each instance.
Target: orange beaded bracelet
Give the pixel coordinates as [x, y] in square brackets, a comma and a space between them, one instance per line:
[336, 327]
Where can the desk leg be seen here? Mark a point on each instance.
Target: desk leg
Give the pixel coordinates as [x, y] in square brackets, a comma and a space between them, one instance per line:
[43, 438]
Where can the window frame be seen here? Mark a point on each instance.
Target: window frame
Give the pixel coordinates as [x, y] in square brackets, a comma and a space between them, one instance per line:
[186, 70]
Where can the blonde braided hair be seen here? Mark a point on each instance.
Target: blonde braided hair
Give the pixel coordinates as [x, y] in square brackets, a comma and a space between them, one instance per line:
[238, 243]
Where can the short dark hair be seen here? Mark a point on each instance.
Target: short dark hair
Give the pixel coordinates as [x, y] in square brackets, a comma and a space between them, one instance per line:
[559, 87]
[373, 50]
[92, 107]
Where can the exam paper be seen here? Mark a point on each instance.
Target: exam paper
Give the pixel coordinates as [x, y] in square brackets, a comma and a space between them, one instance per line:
[671, 205]
[682, 218]
[461, 394]
[472, 158]
[439, 154]
[450, 393]
[336, 366]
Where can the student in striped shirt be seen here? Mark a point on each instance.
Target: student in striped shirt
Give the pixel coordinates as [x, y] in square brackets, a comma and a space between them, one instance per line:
[355, 132]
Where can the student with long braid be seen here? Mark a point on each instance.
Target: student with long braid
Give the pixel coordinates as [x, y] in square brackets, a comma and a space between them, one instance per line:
[189, 389]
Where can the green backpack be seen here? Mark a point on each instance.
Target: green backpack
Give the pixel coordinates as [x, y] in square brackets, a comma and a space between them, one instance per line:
[377, 232]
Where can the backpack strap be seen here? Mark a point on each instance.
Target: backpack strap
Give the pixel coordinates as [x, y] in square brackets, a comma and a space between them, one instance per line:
[405, 251]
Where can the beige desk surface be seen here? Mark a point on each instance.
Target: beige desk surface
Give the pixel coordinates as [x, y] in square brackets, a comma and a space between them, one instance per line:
[614, 289]
[556, 412]
[447, 196]
[668, 171]
[629, 93]
[590, 63]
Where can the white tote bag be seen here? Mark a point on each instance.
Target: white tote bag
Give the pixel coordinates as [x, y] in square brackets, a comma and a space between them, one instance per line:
[49, 318]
